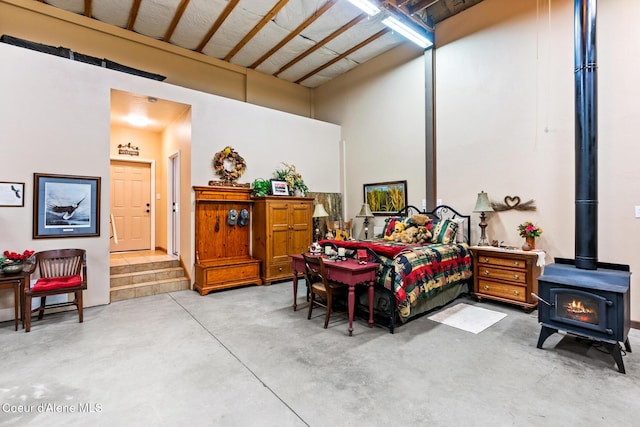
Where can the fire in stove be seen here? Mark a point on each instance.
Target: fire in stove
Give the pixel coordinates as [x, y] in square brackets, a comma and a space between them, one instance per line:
[576, 310]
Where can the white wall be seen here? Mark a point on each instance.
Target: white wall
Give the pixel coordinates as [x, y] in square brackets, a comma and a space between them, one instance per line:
[505, 121]
[381, 108]
[54, 118]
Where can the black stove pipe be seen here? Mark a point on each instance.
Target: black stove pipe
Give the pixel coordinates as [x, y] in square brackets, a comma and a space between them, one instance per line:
[586, 135]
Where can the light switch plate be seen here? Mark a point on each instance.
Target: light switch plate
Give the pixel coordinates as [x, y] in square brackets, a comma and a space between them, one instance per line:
[637, 211]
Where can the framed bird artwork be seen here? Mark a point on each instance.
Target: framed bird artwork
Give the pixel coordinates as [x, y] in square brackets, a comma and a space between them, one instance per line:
[12, 194]
[65, 206]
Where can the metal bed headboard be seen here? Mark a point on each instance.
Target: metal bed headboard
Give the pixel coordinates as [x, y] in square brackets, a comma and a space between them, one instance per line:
[440, 212]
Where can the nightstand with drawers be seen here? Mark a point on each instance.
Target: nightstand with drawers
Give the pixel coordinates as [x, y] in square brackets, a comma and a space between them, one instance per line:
[506, 275]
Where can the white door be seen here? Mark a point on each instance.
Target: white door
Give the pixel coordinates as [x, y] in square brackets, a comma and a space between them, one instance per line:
[174, 204]
[131, 205]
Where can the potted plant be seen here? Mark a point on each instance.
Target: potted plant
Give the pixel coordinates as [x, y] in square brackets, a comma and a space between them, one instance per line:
[293, 178]
[13, 262]
[260, 187]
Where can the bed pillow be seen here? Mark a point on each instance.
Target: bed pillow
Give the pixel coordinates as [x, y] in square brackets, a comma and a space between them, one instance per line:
[444, 232]
[462, 232]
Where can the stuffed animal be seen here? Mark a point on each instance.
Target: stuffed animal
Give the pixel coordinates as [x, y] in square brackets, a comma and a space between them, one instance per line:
[419, 219]
[409, 235]
[397, 231]
[423, 235]
[341, 235]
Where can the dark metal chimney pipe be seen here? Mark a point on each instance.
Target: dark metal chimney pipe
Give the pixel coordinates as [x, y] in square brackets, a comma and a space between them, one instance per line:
[586, 135]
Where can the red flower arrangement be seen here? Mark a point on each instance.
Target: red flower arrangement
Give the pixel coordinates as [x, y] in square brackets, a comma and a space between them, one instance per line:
[528, 229]
[16, 258]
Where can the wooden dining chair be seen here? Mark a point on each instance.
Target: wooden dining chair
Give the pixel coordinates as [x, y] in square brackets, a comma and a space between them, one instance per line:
[62, 271]
[320, 286]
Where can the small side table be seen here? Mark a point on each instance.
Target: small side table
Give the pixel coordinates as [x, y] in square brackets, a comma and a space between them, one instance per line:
[15, 281]
[509, 276]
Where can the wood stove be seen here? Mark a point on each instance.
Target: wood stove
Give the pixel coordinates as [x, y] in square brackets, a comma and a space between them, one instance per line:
[594, 304]
[585, 297]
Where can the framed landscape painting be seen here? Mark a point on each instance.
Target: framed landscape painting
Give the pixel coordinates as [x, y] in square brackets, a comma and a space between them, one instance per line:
[386, 198]
[65, 206]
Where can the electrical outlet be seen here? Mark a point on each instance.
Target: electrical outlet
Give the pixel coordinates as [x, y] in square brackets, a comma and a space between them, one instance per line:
[637, 211]
[424, 203]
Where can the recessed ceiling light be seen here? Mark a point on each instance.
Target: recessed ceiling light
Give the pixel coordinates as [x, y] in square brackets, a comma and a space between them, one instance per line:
[137, 120]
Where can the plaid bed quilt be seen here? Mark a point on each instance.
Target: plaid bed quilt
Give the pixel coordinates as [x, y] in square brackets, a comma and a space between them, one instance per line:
[423, 271]
[420, 270]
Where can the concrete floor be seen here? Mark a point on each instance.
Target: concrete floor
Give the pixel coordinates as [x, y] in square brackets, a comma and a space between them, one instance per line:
[242, 357]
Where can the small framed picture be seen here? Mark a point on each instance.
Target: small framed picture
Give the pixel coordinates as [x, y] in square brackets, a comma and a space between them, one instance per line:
[279, 188]
[12, 194]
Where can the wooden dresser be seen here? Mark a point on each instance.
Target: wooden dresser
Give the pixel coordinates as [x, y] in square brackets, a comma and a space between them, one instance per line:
[282, 226]
[505, 275]
[223, 256]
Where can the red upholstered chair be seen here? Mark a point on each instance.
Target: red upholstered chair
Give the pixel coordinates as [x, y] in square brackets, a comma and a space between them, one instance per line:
[319, 286]
[62, 271]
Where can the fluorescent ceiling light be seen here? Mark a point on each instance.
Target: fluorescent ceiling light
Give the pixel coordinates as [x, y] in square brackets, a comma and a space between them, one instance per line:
[366, 6]
[406, 31]
[137, 120]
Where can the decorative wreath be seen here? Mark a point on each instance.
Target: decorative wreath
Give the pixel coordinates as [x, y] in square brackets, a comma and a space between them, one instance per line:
[239, 165]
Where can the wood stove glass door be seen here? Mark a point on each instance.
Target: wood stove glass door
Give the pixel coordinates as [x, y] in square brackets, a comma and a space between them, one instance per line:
[579, 308]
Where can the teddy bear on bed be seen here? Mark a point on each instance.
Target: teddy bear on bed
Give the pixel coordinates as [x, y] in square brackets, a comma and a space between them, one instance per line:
[421, 219]
[398, 229]
[423, 235]
[409, 235]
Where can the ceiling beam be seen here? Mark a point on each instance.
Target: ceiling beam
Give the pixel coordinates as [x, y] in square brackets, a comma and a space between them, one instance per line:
[345, 54]
[223, 16]
[318, 13]
[420, 6]
[133, 14]
[176, 18]
[268, 17]
[322, 42]
[403, 9]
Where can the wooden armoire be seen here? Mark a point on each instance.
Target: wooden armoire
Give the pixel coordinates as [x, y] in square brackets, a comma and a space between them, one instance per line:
[282, 226]
[223, 251]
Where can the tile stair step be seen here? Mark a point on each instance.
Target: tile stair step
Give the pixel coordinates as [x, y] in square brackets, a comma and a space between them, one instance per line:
[119, 293]
[145, 276]
[144, 266]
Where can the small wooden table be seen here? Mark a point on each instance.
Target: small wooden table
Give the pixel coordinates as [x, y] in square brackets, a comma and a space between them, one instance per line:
[349, 272]
[17, 282]
[505, 275]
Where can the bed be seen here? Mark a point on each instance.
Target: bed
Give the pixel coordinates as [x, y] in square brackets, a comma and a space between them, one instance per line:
[415, 277]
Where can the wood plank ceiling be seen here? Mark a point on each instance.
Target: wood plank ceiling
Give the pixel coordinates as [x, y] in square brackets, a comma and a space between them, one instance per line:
[308, 42]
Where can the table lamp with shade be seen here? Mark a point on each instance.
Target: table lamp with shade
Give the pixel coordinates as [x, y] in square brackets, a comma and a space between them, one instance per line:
[365, 212]
[318, 212]
[483, 206]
